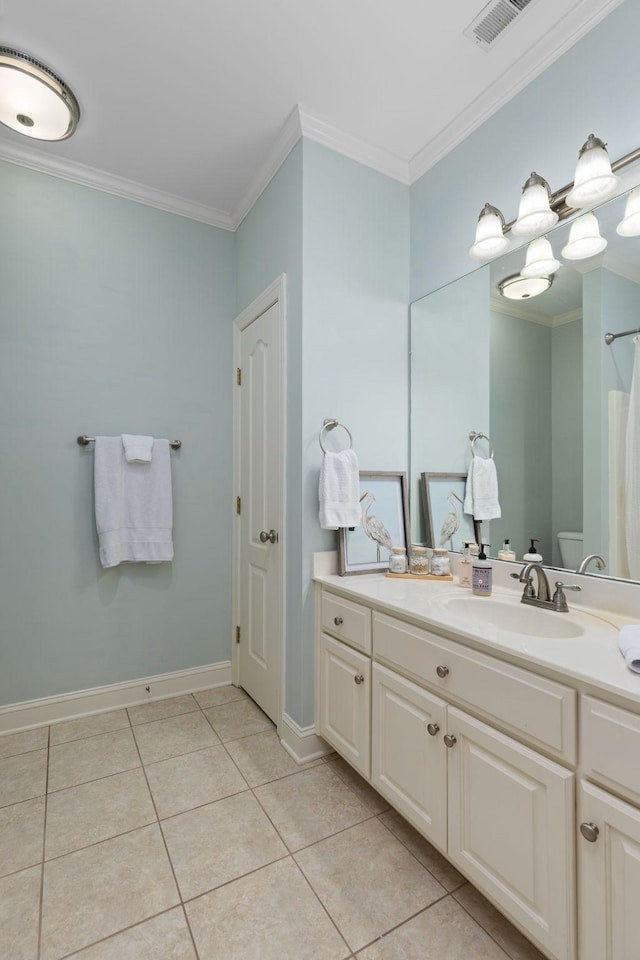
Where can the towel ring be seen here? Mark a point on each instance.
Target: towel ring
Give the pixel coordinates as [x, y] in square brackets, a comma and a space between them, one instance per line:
[331, 424]
[473, 436]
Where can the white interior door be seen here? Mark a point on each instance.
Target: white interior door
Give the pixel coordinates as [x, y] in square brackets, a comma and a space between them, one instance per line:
[260, 477]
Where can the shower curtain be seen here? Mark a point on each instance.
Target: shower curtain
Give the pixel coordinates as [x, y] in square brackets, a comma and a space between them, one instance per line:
[618, 409]
[632, 480]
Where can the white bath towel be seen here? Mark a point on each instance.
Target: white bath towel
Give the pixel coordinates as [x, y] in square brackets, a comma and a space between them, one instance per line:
[134, 510]
[137, 449]
[629, 643]
[339, 490]
[632, 473]
[481, 492]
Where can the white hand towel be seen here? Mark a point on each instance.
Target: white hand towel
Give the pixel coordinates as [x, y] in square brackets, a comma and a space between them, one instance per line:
[481, 494]
[339, 490]
[629, 643]
[134, 510]
[137, 449]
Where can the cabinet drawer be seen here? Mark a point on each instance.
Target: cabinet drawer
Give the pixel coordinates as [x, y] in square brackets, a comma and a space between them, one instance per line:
[539, 711]
[349, 621]
[611, 747]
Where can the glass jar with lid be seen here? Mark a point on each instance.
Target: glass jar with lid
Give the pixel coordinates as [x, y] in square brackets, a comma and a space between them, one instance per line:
[440, 564]
[419, 561]
[398, 560]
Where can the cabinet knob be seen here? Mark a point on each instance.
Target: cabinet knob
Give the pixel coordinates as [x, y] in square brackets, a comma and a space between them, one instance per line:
[433, 729]
[359, 678]
[449, 739]
[338, 621]
[589, 831]
[442, 671]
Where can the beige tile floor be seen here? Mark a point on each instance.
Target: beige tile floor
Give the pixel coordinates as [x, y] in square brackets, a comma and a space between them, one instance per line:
[182, 830]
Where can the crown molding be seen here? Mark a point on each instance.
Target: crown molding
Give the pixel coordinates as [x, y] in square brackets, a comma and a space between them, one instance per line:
[286, 140]
[117, 186]
[512, 308]
[543, 53]
[390, 164]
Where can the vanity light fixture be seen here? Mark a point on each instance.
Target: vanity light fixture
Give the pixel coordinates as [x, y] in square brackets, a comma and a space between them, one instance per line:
[629, 226]
[33, 99]
[540, 261]
[595, 180]
[585, 239]
[535, 215]
[518, 287]
[490, 239]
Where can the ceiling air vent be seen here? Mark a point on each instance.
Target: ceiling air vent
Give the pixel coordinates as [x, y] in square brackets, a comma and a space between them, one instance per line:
[493, 20]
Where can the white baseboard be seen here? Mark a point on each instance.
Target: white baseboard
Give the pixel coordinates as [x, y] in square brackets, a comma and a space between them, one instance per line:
[67, 706]
[302, 743]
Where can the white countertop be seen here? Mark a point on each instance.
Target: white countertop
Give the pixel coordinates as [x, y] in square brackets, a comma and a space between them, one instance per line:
[590, 661]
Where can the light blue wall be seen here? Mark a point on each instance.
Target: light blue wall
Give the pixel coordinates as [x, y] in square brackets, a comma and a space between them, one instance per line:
[592, 88]
[115, 317]
[355, 343]
[566, 433]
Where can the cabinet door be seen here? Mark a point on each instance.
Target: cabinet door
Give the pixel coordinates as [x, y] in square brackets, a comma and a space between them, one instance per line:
[408, 763]
[345, 702]
[609, 877]
[511, 822]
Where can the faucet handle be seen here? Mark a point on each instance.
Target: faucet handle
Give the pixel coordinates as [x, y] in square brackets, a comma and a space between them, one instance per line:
[528, 583]
[559, 600]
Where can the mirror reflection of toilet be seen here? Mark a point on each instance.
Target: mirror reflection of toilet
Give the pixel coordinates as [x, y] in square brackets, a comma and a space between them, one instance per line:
[570, 543]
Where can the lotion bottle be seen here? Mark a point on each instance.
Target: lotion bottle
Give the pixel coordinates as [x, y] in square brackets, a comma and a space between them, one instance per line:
[532, 556]
[465, 567]
[506, 553]
[482, 575]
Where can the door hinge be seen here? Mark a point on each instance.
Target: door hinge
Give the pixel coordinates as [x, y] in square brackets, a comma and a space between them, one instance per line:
[238, 505]
[237, 634]
[239, 377]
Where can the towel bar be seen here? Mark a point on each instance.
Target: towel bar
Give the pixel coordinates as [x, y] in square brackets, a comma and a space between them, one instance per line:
[83, 441]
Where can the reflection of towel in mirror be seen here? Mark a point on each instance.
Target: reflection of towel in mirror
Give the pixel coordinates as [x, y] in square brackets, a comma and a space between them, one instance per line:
[629, 643]
[481, 493]
[339, 490]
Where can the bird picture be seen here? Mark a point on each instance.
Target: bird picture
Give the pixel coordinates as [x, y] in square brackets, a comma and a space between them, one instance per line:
[373, 527]
[451, 521]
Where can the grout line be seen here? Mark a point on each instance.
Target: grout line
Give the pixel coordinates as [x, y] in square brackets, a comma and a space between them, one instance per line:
[501, 946]
[111, 936]
[44, 841]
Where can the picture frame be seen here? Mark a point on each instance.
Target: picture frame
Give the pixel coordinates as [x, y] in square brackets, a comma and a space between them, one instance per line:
[385, 512]
[443, 504]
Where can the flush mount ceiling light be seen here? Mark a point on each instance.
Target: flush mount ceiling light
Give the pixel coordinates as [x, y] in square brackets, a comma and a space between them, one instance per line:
[629, 226]
[540, 261]
[585, 239]
[539, 210]
[535, 215]
[490, 239]
[33, 99]
[518, 287]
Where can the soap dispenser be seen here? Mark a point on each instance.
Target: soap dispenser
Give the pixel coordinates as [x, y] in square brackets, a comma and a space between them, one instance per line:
[465, 567]
[482, 575]
[506, 553]
[533, 556]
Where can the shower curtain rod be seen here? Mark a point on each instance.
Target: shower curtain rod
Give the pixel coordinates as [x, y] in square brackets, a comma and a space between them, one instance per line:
[610, 337]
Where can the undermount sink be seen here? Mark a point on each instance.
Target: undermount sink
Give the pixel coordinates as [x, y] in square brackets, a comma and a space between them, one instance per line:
[513, 616]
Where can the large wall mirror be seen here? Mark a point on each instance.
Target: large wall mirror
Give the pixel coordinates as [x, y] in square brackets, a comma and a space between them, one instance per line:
[536, 376]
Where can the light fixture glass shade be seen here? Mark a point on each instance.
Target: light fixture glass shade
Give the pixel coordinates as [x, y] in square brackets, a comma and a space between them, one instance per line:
[584, 238]
[33, 100]
[540, 261]
[490, 239]
[630, 225]
[594, 179]
[535, 215]
[518, 287]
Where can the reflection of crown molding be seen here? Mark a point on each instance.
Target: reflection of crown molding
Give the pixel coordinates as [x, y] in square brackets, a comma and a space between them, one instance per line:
[545, 51]
[630, 271]
[118, 186]
[510, 308]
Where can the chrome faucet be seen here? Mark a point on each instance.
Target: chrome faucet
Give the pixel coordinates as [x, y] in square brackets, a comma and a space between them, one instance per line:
[543, 597]
[600, 564]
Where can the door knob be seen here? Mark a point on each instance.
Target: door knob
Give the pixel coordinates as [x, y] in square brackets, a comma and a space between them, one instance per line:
[589, 831]
[433, 728]
[359, 678]
[442, 671]
[271, 537]
[449, 739]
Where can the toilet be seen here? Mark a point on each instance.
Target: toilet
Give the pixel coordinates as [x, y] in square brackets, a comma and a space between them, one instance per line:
[570, 543]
